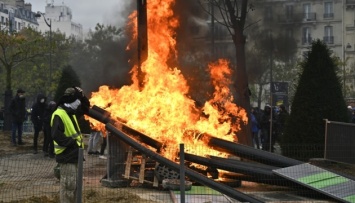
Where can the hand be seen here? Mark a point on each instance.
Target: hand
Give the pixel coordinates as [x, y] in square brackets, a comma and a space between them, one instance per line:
[79, 92]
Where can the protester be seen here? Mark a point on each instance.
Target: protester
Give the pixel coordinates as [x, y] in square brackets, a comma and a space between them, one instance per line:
[68, 139]
[94, 141]
[18, 112]
[255, 128]
[48, 146]
[281, 120]
[37, 115]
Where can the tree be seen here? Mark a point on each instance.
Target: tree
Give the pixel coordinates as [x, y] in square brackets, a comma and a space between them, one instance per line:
[318, 96]
[234, 14]
[68, 78]
[17, 48]
[104, 54]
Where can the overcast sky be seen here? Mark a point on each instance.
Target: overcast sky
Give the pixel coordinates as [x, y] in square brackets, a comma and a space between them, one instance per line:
[88, 12]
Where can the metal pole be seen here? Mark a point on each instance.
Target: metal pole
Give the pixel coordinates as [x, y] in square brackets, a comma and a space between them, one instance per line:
[50, 58]
[271, 112]
[182, 174]
[79, 180]
[325, 138]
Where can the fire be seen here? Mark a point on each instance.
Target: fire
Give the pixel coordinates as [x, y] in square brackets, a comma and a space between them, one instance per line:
[162, 108]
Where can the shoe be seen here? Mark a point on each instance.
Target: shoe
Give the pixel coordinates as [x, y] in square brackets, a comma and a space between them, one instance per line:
[97, 153]
[51, 156]
[35, 152]
[90, 153]
[13, 144]
[21, 143]
[45, 154]
[102, 157]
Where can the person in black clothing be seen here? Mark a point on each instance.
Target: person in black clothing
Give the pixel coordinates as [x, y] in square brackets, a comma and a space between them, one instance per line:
[37, 115]
[68, 139]
[265, 129]
[18, 113]
[48, 146]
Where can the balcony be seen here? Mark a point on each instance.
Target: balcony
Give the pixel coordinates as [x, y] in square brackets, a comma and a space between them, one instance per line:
[298, 18]
[309, 17]
[350, 3]
[328, 39]
[328, 15]
[306, 40]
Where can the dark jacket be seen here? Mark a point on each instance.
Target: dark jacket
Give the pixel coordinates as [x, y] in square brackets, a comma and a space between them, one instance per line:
[18, 109]
[38, 109]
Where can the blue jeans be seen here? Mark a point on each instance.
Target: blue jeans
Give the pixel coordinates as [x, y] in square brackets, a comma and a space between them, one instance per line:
[16, 126]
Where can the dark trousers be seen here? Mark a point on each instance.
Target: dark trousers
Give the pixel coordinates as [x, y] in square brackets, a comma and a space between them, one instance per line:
[16, 127]
[48, 145]
[37, 129]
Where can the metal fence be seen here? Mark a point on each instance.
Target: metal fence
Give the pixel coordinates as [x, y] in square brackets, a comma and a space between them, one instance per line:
[27, 127]
[28, 177]
[339, 142]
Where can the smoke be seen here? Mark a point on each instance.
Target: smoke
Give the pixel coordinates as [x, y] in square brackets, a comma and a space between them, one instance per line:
[108, 64]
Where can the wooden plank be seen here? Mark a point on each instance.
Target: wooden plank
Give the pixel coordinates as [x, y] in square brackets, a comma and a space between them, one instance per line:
[142, 169]
[128, 163]
[156, 181]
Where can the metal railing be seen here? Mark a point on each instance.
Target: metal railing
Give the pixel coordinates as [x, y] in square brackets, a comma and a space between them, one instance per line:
[339, 141]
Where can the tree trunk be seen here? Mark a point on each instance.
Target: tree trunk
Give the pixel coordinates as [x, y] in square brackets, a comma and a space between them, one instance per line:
[8, 77]
[241, 86]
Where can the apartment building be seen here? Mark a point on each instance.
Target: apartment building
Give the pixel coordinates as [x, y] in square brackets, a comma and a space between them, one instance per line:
[332, 21]
[15, 15]
[59, 17]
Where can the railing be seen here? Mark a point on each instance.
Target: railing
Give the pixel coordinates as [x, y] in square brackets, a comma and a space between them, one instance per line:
[328, 39]
[306, 40]
[328, 15]
[27, 127]
[339, 142]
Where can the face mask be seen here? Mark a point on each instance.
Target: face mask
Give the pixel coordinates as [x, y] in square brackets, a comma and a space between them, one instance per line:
[74, 105]
[42, 100]
[21, 96]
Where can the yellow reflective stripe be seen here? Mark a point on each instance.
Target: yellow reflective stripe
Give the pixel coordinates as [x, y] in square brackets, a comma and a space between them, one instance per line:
[59, 147]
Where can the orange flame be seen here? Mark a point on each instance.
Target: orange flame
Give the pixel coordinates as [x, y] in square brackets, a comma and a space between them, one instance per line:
[162, 108]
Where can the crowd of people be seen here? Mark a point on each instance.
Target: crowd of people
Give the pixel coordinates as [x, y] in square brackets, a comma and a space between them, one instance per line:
[268, 126]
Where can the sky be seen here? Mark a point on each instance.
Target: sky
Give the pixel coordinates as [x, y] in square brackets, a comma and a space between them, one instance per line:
[88, 12]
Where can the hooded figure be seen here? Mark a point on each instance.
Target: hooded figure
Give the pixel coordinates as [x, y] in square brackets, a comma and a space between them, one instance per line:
[37, 118]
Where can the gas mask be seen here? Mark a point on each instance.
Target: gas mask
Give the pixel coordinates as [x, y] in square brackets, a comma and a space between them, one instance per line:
[74, 105]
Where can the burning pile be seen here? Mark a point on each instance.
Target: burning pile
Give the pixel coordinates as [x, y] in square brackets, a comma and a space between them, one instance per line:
[162, 108]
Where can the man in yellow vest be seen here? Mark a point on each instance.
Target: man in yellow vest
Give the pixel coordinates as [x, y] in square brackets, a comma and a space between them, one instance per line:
[68, 139]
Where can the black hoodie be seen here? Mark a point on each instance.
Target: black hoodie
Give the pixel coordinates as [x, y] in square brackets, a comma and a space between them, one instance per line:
[38, 110]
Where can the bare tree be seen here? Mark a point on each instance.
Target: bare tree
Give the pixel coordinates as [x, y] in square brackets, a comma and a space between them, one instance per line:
[233, 15]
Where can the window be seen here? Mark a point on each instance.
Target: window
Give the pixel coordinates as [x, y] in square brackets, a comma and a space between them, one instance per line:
[306, 35]
[307, 11]
[2, 20]
[328, 10]
[15, 26]
[19, 26]
[289, 33]
[289, 12]
[268, 14]
[328, 35]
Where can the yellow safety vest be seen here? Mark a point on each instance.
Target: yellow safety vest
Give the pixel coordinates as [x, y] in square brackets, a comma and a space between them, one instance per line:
[69, 129]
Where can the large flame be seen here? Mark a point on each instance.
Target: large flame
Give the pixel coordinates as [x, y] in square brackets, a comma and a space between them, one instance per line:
[162, 108]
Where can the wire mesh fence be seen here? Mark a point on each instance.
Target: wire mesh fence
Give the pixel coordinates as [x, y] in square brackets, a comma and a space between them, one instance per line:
[28, 177]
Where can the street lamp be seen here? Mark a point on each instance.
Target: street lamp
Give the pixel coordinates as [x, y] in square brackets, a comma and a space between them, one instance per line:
[38, 15]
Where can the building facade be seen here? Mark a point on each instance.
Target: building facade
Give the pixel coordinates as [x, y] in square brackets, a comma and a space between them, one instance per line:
[331, 21]
[59, 17]
[15, 15]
